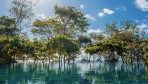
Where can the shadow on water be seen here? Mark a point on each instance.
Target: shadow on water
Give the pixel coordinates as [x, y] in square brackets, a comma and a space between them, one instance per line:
[80, 73]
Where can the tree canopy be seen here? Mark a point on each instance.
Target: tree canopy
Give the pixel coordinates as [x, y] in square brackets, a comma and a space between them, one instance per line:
[67, 21]
[61, 36]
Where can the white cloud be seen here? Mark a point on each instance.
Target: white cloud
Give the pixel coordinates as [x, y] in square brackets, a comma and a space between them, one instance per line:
[145, 20]
[90, 31]
[142, 4]
[143, 26]
[146, 31]
[42, 16]
[90, 17]
[105, 11]
[123, 8]
[108, 11]
[146, 16]
[101, 14]
[34, 2]
[136, 21]
[81, 6]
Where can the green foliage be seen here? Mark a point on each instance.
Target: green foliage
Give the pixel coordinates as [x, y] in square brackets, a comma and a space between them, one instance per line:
[110, 28]
[62, 44]
[46, 28]
[21, 46]
[7, 26]
[14, 47]
[60, 33]
[22, 11]
[93, 48]
[70, 16]
[84, 39]
[97, 37]
[68, 21]
[124, 42]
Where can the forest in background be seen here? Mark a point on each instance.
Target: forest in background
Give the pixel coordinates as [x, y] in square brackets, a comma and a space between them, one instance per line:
[61, 38]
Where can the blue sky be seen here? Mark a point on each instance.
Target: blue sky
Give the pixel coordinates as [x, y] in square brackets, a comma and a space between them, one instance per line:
[98, 12]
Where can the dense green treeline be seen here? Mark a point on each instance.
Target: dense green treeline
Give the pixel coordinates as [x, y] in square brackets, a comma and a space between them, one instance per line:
[125, 43]
[60, 38]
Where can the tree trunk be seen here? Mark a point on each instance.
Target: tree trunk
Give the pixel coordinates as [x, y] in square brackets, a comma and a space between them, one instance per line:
[49, 58]
[64, 59]
[59, 60]
[89, 58]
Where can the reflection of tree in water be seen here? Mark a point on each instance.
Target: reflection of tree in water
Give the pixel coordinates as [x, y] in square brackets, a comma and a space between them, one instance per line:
[50, 74]
[124, 74]
[40, 73]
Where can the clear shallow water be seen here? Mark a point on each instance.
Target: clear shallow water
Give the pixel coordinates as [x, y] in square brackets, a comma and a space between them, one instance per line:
[79, 73]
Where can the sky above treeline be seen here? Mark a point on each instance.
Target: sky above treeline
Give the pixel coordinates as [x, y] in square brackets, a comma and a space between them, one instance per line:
[97, 12]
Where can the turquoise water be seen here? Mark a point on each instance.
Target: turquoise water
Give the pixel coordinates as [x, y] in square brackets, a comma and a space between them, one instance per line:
[79, 73]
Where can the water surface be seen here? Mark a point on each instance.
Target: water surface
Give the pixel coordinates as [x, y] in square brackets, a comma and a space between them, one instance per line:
[79, 73]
